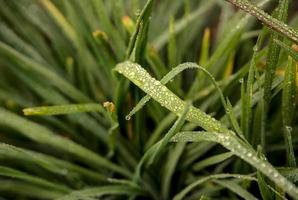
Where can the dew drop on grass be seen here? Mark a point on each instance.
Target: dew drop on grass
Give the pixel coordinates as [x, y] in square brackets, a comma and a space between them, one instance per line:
[137, 12]
[289, 128]
[127, 117]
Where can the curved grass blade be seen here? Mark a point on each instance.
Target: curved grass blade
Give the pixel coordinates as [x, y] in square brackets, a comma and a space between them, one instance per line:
[13, 173]
[30, 65]
[97, 192]
[190, 187]
[240, 149]
[212, 160]
[43, 135]
[173, 130]
[157, 149]
[221, 134]
[52, 164]
[165, 123]
[234, 187]
[174, 72]
[28, 190]
[165, 97]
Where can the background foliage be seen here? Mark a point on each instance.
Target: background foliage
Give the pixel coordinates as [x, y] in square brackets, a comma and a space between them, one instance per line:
[90, 133]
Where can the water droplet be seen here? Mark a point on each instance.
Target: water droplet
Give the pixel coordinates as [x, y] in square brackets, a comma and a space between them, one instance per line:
[263, 165]
[127, 117]
[241, 80]
[289, 128]
[132, 74]
[137, 12]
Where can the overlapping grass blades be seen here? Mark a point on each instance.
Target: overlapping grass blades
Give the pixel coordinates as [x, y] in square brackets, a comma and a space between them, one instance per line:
[217, 131]
[56, 64]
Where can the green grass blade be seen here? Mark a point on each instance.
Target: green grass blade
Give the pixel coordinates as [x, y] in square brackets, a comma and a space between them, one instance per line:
[171, 164]
[141, 21]
[28, 190]
[55, 79]
[234, 187]
[268, 20]
[204, 56]
[290, 51]
[13, 173]
[181, 24]
[190, 187]
[173, 130]
[165, 97]
[64, 109]
[212, 160]
[271, 65]
[43, 135]
[52, 164]
[263, 185]
[241, 150]
[96, 192]
[288, 108]
[174, 72]
[172, 47]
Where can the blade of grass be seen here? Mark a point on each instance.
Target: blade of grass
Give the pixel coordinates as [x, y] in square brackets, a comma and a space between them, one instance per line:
[271, 22]
[263, 185]
[13, 173]
[170, 166]
[142, 19]
[290, 51]
[155, 89]
[64, 109]
[47, 162]
[172, 47]
[96, 192]
[225, 47]
[212, 160]
[227, 138]
[247, 107]
[271, 65]
[241, 150]
[190, 187]
[180, 25]
[28, 190]
[173, 130]
[43, 135]
[55, 79]
[234, 187]
[288, 109]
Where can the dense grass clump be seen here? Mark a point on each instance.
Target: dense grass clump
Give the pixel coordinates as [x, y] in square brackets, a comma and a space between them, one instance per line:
[145, 99]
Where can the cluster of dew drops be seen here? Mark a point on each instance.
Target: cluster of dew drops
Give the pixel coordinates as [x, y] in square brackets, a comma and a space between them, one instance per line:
[231, 143]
